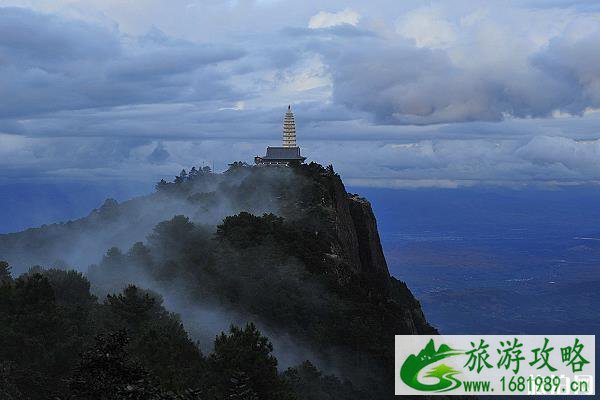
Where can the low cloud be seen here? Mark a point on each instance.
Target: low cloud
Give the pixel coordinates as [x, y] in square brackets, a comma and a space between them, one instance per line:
[540, 160]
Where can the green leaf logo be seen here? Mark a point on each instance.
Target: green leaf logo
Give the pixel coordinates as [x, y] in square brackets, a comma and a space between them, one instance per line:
[409, 372]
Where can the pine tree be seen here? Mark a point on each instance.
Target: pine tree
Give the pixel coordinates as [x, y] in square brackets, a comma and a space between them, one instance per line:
[5, 276]
[193, 173]
[240, 387]
[162, 185]
[106, 372]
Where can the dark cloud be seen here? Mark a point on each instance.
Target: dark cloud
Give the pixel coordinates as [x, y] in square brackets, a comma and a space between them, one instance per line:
[52, 64]
[33, 40]
[168, 61]
[574, 66]
[399, 83]
[402, 84]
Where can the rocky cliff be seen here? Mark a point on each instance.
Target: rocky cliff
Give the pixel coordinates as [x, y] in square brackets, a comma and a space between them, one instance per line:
[358, 245]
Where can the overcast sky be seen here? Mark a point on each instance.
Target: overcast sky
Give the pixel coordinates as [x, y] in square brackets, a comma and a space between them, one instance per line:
[393, 93]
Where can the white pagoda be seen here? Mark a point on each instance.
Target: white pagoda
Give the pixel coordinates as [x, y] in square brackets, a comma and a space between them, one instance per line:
[289, 152]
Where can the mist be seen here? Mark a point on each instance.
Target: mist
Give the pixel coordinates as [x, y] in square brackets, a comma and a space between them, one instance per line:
[205, 198]
[204, 319]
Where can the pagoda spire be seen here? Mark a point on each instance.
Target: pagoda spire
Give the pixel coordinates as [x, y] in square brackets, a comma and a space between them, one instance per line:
[289, 129]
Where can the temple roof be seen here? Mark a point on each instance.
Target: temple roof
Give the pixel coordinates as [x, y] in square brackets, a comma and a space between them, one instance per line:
[283, 153]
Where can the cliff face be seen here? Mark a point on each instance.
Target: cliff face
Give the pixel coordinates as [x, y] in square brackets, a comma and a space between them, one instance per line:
[356, 229]
[346, 244]
[372, 260]
[359, 246]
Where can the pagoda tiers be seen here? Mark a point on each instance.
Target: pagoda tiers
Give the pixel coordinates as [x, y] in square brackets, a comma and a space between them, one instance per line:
[289, 152]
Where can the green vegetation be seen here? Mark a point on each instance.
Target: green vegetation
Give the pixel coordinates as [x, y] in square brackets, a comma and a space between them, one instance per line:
[58, 341]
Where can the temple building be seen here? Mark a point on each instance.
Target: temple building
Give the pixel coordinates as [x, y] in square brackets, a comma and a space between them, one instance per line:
[289, 152]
